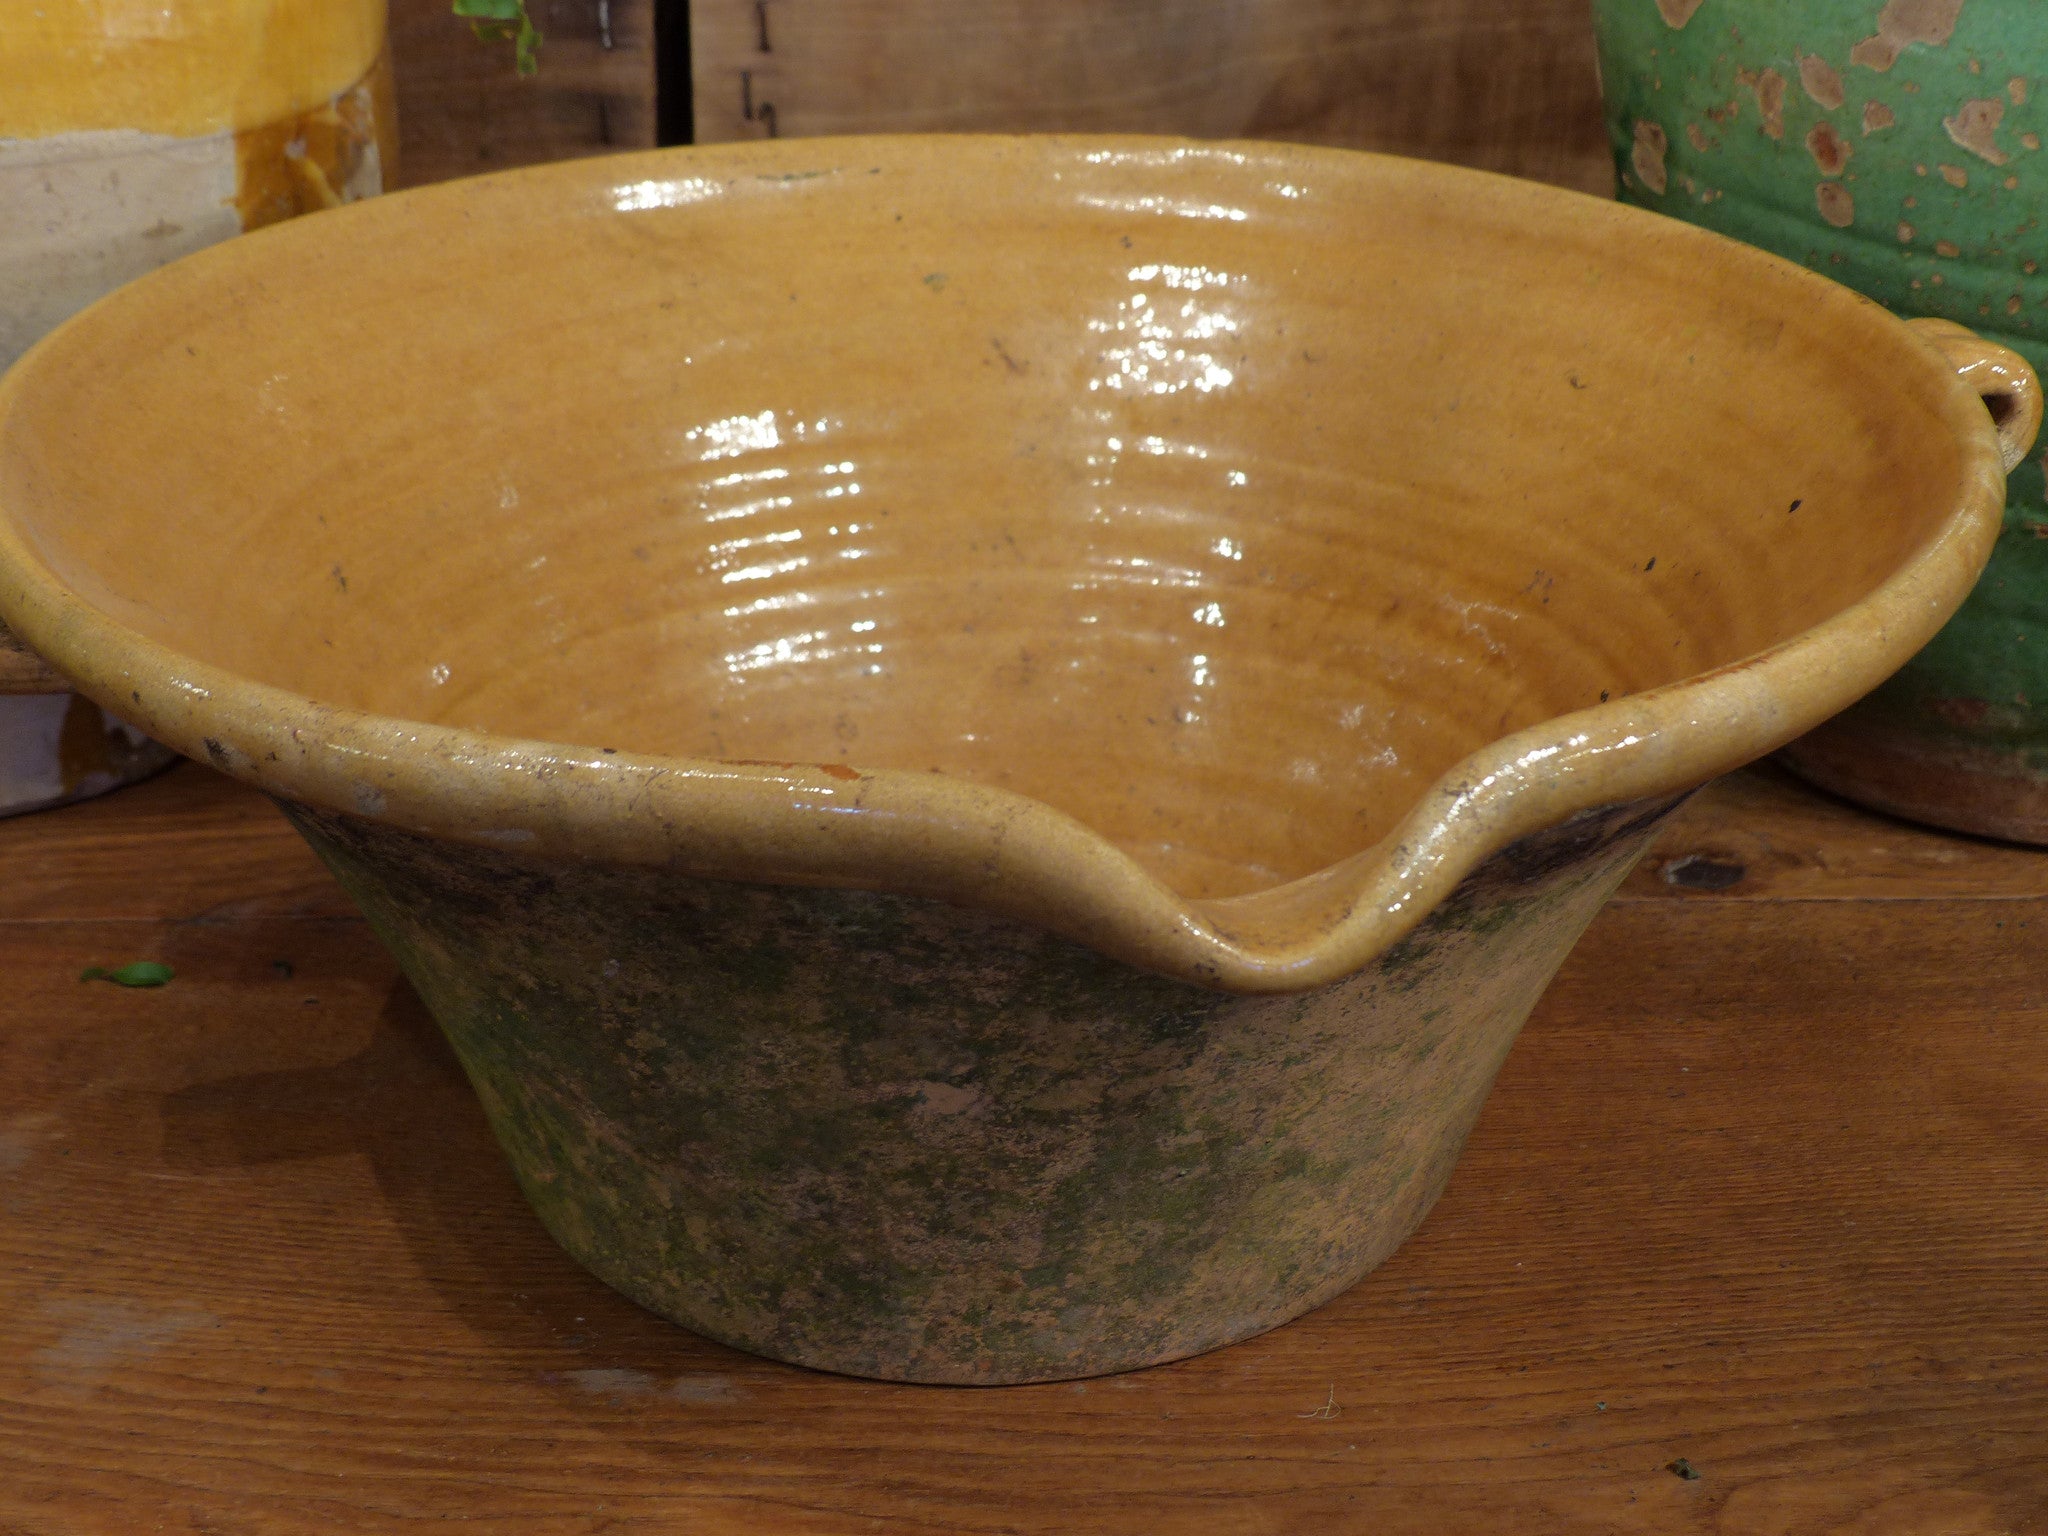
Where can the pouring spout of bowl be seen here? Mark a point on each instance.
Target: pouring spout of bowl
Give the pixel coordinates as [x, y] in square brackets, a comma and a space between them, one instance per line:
[1669, 740]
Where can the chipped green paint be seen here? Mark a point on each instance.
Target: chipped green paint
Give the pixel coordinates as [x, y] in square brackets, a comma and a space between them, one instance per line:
[1896, 146]
[896, 1138]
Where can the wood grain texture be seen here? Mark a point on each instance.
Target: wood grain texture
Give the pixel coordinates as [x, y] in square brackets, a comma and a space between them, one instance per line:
[186, 847]
[23, 671]
[1764, 1186]
[462, 110]
[1504, 87]
[1763, 835]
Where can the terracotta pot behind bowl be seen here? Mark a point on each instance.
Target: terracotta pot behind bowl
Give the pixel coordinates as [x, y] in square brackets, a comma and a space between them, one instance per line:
[982, 744]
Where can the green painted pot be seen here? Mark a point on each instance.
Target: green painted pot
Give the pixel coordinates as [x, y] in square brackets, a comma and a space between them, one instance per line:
[1897, 148]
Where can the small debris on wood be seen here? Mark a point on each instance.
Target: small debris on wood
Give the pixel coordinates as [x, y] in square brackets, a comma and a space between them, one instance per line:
[1702, 872]
[1329, 1410]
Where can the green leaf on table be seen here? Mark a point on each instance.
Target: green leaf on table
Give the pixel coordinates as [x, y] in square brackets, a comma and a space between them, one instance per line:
[137, 973]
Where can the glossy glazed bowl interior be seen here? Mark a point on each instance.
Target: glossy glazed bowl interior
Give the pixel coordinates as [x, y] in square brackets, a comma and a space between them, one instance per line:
[1212, 552]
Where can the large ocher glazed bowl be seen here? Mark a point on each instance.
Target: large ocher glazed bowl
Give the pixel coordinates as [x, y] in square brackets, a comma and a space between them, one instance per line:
[982, 744]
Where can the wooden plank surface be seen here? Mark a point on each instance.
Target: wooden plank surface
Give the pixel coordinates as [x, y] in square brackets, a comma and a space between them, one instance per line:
[22, 670]
[1507, 88]
[1504, 87]
[1765, 836]
[1763, 1186]
[462, 110]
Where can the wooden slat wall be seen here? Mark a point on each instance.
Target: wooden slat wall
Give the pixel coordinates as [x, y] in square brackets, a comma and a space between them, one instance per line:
[1508, 85]
[1505, 86]
[462, 109]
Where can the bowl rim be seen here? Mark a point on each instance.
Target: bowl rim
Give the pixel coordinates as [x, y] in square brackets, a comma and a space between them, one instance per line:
[944, 837]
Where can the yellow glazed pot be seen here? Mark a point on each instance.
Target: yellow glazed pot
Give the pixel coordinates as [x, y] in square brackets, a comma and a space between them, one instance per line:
[130, 135]
[981, 745]
[133, 134]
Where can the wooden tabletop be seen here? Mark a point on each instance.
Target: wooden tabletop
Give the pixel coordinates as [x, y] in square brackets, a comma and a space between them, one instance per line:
[1763, 1194]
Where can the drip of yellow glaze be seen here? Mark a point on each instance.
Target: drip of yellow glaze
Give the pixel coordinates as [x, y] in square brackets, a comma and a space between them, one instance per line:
[90, 745]
[82, 744]
[179, 67]
[307, 161]
[382, 85]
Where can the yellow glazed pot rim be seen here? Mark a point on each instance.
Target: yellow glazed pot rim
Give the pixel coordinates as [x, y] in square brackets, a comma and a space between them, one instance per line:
[187, 70]
[944, 837]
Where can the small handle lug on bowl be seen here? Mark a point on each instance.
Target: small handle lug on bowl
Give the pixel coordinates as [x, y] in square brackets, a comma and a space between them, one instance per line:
[2011, 392]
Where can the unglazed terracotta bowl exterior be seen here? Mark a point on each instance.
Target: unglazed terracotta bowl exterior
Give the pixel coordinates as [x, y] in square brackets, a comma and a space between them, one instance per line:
[131, 135]
[982, 745]
[1895, 147]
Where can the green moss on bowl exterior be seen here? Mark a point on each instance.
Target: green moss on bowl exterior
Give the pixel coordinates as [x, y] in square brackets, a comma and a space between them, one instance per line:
[898, 1138]
[1894, 145]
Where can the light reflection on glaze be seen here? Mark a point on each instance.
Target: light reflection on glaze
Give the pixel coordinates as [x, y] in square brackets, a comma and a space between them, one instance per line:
[733, 435]
[1160, 340]
[1184, 208]
[1151, 353]
[766, 569]
[675, 192]
[775, 604]
[764, 554]
[1161, 157]
[751, 477]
